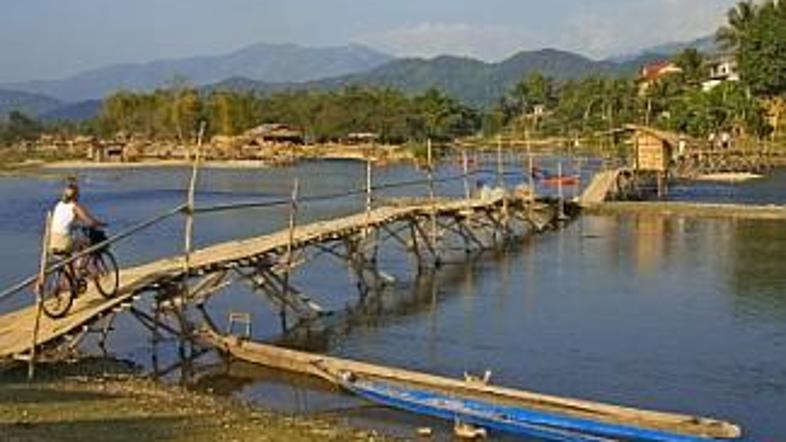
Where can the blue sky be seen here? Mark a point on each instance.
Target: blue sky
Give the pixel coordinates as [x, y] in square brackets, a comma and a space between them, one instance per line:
[42, 39]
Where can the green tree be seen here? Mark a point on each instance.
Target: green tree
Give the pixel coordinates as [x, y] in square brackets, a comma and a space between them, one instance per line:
[761, 50]
[739, 21]
[693, 65]
[19, 127]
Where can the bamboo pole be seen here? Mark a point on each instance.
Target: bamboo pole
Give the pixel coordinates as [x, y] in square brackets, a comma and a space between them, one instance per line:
[500, 167]
[187, 249]
[465, 170]
[432, 196]
[369, 199]
[501, 185]
[189, 230]
[38, 295]
[290, 247]
[530, 176]
[560, 191]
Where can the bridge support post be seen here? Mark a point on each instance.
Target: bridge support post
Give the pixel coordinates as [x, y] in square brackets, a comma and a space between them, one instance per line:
[290, 246]
[39, 296]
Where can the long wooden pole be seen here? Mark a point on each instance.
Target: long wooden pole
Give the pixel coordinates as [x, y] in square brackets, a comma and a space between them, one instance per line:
[189, 230]
[560, 191]
[465, 170]
[432, 196]
[530, 176]
[290, 248]
[38, 295]
[187, 248]
[369, 199]
[500, 167]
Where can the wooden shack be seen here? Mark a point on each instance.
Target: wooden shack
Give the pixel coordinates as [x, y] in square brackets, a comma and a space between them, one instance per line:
[107, 152]
[275, 134]
[357, 138]
[653, 149]
[653, 152]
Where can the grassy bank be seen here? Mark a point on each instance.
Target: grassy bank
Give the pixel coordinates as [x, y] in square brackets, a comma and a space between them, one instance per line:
[118, 406]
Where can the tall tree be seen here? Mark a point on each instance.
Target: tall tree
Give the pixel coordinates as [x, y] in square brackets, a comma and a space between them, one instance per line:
[739, 20]
[761, 50]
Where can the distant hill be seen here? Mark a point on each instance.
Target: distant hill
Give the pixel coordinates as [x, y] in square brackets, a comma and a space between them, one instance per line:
[30, 104]
[472, 81]
[83, 110]
[268, 62]
[705, 44]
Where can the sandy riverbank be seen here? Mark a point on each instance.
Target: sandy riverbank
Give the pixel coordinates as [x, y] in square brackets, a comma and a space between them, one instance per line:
[84, 164]
[729, 177]
[122, 407]
[222, 164]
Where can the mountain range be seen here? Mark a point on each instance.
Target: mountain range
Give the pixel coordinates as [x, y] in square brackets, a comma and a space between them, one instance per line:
[472, 81]
[29, 103]
[270, 68]
[275, 63]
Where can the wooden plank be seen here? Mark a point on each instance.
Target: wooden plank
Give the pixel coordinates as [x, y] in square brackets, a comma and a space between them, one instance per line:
[327, 367]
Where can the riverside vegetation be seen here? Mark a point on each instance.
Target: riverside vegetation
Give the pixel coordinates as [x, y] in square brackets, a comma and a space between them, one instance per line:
[753, 107]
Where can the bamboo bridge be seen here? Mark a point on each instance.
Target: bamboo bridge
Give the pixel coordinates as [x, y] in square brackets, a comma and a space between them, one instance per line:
[428, 228]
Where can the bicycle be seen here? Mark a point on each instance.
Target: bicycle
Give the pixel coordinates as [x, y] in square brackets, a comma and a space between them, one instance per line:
[62, 286]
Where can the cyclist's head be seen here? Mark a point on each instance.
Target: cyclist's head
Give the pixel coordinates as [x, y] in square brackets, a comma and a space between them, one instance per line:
[70, 193]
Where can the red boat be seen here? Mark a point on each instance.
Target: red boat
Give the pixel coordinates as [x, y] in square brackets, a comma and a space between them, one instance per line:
[568, 180]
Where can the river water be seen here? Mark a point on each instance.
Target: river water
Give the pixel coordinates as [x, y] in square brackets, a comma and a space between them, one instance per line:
[672, 313]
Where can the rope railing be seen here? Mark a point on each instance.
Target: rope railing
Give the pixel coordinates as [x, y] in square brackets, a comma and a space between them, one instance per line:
[183, 208]
[27, 282]
[322, 197]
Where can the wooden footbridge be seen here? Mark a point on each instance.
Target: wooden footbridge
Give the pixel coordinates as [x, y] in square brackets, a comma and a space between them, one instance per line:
[428, 228]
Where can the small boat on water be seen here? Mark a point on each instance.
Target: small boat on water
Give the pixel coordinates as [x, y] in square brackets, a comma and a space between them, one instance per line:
[508, 419]
[474, 402]
[572, 180]
[547, 178]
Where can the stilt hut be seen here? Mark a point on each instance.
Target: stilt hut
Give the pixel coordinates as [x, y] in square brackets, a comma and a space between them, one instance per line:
[653, 153]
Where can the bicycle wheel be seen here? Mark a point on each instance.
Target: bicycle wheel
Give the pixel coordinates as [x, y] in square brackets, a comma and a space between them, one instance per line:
[105, 274]
[57, 293]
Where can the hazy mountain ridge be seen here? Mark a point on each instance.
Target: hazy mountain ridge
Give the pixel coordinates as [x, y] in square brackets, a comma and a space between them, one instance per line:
[28, 103]
[268, 62]
[472, 81]
[706, 44]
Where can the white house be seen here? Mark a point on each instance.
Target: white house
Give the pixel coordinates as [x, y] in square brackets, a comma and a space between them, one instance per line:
[722, 68]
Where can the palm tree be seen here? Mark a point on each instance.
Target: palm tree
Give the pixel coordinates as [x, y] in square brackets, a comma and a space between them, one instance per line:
[739, 20]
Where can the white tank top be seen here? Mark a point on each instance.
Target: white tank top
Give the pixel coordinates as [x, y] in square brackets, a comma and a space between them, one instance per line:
[63, 218]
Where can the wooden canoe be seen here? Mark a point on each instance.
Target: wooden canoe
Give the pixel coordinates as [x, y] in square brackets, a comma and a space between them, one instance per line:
[332, 370]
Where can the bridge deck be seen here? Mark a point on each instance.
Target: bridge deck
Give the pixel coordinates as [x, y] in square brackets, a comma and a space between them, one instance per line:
[16, 328]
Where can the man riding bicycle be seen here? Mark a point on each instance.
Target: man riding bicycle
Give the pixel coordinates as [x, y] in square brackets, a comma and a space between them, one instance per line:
[68, 215]
[72, 230]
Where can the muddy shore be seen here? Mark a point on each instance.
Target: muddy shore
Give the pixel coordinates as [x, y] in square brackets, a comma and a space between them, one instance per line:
[96, 400]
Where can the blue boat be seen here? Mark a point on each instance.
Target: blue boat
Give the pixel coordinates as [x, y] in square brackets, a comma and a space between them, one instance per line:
[473, 401]
[508, 419]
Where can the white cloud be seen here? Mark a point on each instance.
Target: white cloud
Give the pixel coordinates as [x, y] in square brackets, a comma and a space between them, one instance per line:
[486, 42]
[640, 24]
[594, 29]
